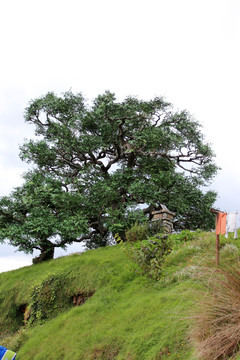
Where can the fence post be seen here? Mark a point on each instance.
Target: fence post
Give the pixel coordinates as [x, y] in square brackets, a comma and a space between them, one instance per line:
[217, 242]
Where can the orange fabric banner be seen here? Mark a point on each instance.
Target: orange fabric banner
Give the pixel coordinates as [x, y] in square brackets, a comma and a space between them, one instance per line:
[221, 220]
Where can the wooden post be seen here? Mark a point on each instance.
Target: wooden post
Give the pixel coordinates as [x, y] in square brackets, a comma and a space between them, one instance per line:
[217, 242]
[217, 249]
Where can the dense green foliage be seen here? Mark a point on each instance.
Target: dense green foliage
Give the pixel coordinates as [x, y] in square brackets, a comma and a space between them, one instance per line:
[123, 159]
[149, 254]
[139, 232]
[182, 237]
[41, 215]
[129, 316]
[47, 299]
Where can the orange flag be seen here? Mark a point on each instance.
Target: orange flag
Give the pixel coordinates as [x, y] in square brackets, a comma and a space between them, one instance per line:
[221, 220]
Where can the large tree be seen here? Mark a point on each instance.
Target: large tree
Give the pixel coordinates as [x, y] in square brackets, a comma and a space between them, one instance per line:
[41, 215]
[124, 158]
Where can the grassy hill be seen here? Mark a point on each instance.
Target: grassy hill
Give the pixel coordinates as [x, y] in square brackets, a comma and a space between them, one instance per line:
[122, 314]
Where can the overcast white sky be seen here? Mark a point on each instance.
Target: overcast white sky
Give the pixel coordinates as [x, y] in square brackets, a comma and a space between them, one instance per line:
[185, 50]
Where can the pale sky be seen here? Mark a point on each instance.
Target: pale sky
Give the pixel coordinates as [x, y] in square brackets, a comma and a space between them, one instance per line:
[185, 50]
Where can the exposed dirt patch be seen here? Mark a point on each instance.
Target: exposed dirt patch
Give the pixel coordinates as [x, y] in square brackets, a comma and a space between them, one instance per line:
[81, 298]
[107, 352]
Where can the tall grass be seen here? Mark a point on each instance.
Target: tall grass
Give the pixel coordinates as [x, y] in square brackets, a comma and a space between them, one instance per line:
[216, 333]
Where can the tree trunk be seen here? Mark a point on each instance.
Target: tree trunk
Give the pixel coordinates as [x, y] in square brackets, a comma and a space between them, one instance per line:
[47, 252]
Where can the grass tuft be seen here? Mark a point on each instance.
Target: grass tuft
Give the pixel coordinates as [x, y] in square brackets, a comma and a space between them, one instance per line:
[216, 333]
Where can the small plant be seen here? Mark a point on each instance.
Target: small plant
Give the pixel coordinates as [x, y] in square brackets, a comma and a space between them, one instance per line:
[139, 232]
[149, 254]
[183, 236]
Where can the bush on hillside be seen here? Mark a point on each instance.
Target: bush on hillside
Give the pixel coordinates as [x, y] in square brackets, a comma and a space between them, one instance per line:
[139, 232]
[149, 254]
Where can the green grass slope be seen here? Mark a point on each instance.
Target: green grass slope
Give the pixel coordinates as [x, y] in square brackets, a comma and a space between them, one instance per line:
[125, 315]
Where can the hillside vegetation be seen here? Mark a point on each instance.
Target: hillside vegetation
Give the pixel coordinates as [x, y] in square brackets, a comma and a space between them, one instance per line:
[99, 305]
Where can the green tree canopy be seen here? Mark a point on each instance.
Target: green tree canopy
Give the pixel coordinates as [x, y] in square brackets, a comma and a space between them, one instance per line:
[41, 215]
[124, 158]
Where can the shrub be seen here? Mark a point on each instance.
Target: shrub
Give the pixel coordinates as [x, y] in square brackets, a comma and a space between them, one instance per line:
[149, 254]
[139, 232]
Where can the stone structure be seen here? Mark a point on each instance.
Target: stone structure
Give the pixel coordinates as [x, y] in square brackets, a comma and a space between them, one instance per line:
[165, 216]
